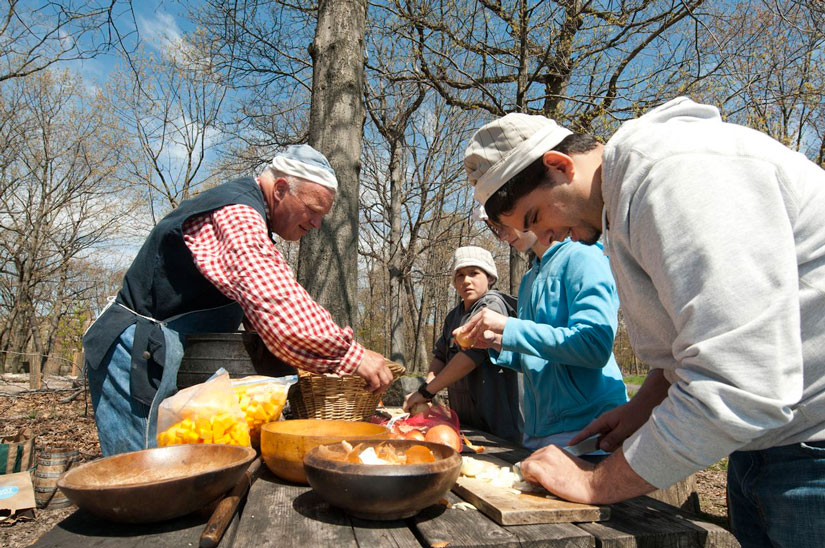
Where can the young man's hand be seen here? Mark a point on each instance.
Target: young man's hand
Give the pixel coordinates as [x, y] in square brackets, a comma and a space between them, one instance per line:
[484, 329]
[618, 424]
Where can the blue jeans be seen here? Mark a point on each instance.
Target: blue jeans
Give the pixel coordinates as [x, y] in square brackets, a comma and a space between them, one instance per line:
[124, 424]
[776, 496]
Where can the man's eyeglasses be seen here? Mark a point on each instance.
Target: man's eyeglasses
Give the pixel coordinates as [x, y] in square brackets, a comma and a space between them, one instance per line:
[497, 229]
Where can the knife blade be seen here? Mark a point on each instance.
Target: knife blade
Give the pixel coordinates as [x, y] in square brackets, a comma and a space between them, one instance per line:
[584, 447]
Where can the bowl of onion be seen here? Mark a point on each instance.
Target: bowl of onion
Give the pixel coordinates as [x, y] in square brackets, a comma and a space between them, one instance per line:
[382, 479]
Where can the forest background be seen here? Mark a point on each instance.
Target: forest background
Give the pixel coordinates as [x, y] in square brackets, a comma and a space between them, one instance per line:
[112, 112]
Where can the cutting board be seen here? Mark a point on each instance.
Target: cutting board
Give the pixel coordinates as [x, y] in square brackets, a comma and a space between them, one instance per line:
[506, 507]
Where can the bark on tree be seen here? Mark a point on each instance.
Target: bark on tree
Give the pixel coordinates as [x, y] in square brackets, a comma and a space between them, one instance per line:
[328, 258]
[518, 268]
[396, 269]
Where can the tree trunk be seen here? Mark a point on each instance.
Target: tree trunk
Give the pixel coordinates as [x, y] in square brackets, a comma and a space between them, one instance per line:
[328, 258]
[396, 272]
[518, 268]
[16, 348]
[421, 354]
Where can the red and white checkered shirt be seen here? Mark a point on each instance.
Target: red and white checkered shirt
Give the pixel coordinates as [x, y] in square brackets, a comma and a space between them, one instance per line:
[232, 248]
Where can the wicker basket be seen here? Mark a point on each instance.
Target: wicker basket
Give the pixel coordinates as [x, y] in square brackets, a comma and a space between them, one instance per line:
[332, 397]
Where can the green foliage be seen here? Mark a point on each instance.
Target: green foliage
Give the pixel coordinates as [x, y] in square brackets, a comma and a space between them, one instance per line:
[634, 379]
[722, 465]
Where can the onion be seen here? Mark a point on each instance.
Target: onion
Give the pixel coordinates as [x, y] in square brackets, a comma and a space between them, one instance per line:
[419, 408]
[414, 435]
[445, 435]
[463, 340]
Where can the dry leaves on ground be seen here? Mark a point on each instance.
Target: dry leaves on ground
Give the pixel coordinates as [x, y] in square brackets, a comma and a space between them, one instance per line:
[56, 423]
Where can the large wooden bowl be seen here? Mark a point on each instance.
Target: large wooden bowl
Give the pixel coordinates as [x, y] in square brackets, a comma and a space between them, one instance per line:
[384, 491]
[155, 484]
[284, 443]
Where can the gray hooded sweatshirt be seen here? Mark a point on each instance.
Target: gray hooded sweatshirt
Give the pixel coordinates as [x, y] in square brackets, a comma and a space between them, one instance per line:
[717, 242]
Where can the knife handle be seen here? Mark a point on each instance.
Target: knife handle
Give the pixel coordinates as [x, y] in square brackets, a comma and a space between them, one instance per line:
[226, 508]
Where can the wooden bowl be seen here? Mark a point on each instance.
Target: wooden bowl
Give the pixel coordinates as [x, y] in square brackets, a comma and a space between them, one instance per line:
[384, 491]
[155, 484]
[284, 443]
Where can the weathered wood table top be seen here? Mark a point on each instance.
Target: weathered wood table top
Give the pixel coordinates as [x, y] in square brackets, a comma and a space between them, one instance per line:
[287, 515]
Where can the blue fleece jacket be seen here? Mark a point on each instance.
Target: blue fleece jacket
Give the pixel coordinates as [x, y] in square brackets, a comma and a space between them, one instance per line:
[562, 340]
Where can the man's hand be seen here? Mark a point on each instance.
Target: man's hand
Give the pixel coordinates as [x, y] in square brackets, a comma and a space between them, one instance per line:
[560, 473]
[572, 478]
[484, 329]
[373, 368]
[614, 426]
[618, 424]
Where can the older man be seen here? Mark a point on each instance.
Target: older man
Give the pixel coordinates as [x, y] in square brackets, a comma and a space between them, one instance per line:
[716, 239]
[204, 267]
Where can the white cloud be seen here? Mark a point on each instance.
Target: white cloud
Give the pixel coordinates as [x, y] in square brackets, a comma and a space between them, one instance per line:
[162, 33]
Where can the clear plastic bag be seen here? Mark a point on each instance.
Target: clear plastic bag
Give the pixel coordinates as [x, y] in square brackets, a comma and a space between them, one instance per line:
[261, 399]
[203, 413]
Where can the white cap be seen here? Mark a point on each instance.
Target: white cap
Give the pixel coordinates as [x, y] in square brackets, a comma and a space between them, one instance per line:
[479, 213]
[475, 256]
[306, 163]
[504, 147]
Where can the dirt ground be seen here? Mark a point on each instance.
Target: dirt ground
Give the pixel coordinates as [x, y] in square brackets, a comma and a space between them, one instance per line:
[56, 423]
[70, 424]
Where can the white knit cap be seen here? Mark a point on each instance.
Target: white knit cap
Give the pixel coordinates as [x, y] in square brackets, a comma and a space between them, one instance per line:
[501, 149]
[306, 163]
[475, 256]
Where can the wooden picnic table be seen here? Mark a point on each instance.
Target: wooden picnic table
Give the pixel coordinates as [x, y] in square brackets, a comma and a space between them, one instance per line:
[278, 513]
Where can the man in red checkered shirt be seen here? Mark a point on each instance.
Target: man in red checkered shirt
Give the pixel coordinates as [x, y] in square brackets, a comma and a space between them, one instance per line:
[204, 267]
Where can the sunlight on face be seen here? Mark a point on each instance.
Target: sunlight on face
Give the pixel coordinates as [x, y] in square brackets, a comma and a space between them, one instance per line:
[553, 215]
[521, 241]
[302, 209]
[471, 283]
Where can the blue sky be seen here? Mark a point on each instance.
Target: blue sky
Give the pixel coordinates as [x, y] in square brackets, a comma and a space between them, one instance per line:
[159, 24]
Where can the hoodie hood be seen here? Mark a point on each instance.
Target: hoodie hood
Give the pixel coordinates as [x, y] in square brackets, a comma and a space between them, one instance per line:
[658, 121]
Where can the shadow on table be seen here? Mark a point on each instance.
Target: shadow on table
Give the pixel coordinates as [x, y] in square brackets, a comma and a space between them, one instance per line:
[86, 524]
[652, 522]
[311, 505]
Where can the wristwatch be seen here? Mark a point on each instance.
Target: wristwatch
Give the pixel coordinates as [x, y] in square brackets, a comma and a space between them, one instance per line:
[424, 392]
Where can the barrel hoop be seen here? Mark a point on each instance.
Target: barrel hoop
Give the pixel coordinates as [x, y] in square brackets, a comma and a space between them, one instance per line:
[41, 474]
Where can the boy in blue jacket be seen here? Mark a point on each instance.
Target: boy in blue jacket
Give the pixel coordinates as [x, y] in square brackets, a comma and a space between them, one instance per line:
[562, 339]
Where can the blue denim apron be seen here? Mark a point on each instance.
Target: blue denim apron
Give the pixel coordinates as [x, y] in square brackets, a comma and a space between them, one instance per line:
[124, 423]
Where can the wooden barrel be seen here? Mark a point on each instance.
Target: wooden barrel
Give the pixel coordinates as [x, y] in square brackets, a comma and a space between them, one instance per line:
[51, 463]
[241, 353]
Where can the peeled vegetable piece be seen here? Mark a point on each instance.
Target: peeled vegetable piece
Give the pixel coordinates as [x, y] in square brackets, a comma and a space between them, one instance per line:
[261, 402]
[220, 428]
[506, 477]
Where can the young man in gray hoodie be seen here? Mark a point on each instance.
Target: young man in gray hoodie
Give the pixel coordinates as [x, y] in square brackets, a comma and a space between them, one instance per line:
[716, 238]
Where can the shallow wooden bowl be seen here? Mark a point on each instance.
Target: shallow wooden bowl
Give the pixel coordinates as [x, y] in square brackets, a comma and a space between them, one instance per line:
[384, 491]
[155, 484]
[284, 443]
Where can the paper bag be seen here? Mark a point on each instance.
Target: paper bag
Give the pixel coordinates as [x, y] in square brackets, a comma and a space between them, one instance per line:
[16, 497]
[17, 452]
